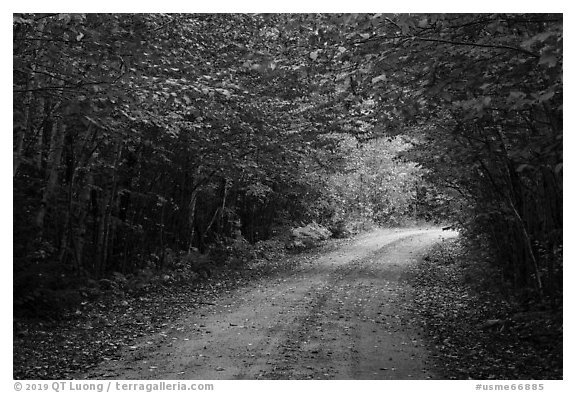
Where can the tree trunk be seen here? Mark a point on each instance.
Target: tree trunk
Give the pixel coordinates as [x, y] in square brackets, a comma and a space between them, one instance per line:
[528, 246]
[192, 207]
[40, 137]
[32, 85]
[56, 148]
[26, 127]
[84, 204]
[107, 229]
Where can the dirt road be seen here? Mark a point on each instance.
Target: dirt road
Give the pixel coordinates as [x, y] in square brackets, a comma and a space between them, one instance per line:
[339, 316]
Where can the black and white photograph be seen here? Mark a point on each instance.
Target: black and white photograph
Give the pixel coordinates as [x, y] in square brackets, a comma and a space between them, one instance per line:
[201, 197]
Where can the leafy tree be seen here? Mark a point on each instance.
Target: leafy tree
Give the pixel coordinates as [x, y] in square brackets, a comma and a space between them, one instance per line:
[135, 133]
[373, 183]
[484, 95]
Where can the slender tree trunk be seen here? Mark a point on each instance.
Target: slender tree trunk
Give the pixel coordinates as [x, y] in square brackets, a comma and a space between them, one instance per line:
[40, 137]
[162, 246]
[224, 196]
[26, 128]
[219, 213]
[66, 234]
[192, 217]
[514, 186]
[32, 85]
[192, 207]
[107, 229]
[56, 148]
[85, 159]
[528, 246]
[84, 204]
[99, 241]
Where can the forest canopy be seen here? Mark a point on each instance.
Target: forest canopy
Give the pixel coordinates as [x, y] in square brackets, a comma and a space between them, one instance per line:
[138, 133]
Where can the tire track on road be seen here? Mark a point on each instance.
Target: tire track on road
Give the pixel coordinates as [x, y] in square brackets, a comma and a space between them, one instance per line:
[333, 318]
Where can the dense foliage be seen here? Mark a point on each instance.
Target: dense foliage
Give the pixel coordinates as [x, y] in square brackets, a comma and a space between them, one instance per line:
[483, 95]
[135, 134]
